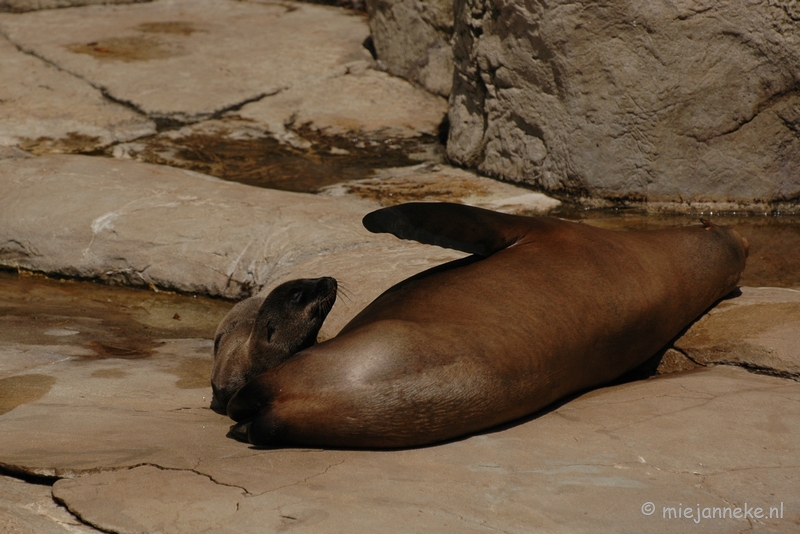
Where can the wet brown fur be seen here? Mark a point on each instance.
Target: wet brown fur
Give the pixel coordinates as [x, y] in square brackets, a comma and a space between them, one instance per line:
[556, 307]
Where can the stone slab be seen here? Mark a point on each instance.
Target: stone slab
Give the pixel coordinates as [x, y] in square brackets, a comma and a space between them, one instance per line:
[141, 224]
[146, 225]
[709, 439]
[442, 183]
[362, 102]
[43, 109]
[187, 60]
[30, 509]
[760, 329]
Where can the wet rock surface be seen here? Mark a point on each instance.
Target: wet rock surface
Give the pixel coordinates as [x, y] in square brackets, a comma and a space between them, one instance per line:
[163, 58]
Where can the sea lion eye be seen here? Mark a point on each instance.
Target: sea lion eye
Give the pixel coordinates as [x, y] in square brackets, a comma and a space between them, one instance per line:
[297, 297]
[270, 331]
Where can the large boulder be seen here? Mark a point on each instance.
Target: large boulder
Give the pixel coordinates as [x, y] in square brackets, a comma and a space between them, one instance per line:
[671, 101]
[413, 39]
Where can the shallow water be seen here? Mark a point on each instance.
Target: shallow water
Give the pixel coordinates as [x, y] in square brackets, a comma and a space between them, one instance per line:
[774, 258]
[262, 161]
[109, 321]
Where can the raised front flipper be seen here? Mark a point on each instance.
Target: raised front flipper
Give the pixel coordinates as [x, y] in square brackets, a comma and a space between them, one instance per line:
[455, 226]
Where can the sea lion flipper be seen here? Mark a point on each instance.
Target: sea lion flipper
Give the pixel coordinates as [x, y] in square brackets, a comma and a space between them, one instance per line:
[456, 226]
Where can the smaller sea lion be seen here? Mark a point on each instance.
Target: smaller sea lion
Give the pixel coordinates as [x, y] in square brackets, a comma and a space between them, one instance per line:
[258, 335]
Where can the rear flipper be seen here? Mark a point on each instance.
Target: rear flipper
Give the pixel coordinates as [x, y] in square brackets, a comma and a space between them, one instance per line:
[250, 400]
[239, 432]
[456, 226]
[251, 408]
[261, 431]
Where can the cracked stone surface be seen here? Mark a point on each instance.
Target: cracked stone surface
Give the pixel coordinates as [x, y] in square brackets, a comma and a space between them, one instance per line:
[275, 94]
[673, 102]
[165, 59]
[43, 109]
[30, 509]
[361, 100]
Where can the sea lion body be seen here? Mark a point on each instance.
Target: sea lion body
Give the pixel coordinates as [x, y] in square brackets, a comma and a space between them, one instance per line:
[555, 307]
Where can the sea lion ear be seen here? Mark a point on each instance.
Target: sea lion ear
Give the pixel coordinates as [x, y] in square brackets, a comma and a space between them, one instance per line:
[456, 226]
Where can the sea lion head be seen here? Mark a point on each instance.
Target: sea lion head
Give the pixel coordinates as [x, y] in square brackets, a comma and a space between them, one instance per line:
[261, 333]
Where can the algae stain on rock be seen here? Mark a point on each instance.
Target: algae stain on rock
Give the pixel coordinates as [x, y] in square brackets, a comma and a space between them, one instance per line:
[73, 143]
[22, 389]
[127, 49]
[142, 47]
[263, 161]
[193, 373]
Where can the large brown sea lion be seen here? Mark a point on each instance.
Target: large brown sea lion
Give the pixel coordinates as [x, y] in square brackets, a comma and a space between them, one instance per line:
[544, 308]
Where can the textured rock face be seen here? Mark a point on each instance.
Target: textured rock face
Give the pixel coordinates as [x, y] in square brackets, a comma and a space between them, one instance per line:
[413, 39]
[670, 102]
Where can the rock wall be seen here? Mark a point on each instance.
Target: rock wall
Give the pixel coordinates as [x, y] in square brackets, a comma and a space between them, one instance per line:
[412, 39]
[673, 101]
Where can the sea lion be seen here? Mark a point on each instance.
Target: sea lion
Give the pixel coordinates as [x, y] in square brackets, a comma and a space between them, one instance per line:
[258, 334]
[543, 309]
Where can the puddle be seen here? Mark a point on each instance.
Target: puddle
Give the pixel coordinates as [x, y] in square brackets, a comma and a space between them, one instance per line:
[774, 258]
[22, 389]
[262, 161]
[193, 373]
[109, 322]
